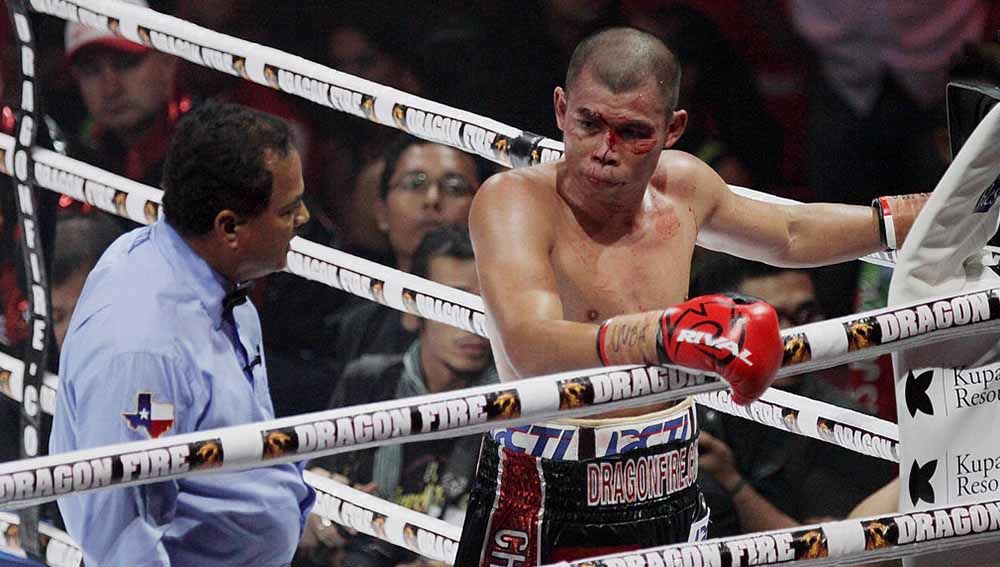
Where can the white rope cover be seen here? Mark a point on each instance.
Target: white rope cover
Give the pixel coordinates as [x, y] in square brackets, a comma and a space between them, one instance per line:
[847, 542]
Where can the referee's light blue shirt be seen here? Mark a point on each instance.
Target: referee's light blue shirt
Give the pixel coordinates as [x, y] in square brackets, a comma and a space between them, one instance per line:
[149, 353]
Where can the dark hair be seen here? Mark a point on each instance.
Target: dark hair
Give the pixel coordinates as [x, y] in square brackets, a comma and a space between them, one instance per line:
[216, 162]
[442, 242]
[80, 241]
[392, 154]
[623, 58]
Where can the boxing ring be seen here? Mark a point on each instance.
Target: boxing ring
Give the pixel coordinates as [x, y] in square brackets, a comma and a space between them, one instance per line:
[37, 479]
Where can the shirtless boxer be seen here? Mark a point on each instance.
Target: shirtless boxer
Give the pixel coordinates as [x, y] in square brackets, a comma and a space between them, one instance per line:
[606, 235]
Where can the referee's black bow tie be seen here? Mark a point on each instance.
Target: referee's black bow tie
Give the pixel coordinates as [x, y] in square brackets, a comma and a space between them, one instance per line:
[238, 296]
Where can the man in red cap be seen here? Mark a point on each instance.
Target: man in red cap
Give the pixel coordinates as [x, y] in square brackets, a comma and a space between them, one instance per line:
[128, 90]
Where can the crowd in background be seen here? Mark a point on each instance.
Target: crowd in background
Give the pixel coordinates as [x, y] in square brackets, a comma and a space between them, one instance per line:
[830, 100]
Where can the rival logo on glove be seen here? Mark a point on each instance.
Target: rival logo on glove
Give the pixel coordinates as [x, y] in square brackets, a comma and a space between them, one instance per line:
[721, 343]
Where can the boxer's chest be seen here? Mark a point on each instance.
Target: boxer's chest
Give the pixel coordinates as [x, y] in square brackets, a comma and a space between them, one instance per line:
[648, 269]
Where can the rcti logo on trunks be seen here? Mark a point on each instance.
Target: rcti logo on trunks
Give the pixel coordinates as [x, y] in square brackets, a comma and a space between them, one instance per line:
[922, 319]
[44, 482]
[640, 478]
[324, 94]
[444, 311]
[559, 442]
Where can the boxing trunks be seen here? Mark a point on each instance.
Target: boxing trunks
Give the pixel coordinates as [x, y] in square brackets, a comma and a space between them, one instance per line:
[581, 488]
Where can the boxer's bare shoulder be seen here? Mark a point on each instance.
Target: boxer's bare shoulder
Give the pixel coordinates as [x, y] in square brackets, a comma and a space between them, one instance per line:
[518, 201]
[527, 186]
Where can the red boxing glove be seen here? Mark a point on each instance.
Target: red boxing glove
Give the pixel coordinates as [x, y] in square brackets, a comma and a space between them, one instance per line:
[736, 337]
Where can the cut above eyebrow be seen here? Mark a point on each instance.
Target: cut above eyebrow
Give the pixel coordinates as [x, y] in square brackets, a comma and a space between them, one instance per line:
[589, 114]
[292, 205]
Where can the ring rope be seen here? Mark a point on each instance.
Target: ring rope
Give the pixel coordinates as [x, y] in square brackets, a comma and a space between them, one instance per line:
[796, 414]
[420, 533]
[466, 411]
[429, 120]
[815, 346]
[335, 502]
[779, 409]
[131, 205]
[843, 542]
[296, 438]
[56, 546]
[147, 192]
[432, 538]
[464, 127]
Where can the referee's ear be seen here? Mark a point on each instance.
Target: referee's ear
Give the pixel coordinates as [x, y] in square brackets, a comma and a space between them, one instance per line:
[225, 227]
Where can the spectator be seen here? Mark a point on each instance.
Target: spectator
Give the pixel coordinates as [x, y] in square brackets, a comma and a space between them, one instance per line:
[877, 119]
[132, 106]
[80, 241]
[238, 18]
[770, 478]
[375, 46]
[431, 477]
[423, 186]
[13, 304]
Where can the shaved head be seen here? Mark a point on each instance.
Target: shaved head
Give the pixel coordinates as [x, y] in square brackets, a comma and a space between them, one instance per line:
[622, 59]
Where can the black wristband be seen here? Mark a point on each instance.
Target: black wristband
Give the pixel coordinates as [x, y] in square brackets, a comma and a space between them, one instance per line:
[739, 486]
[882, 235]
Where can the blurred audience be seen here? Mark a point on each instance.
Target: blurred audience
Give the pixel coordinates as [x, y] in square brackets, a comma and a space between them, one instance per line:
[239, 18]
[132, 104]
[877, 118]
[875, 126]
[373, 45]
[432, 477]
[80, 242]
[762, 478]
[729, 127]
[423, 186]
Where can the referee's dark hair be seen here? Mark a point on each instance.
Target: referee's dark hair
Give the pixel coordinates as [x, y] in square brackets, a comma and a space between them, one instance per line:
[216, 162]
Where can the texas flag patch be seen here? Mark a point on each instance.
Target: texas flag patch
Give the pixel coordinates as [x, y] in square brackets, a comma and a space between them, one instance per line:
[155, 417]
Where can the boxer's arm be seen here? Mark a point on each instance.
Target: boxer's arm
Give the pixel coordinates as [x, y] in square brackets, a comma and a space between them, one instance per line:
[805, 235]
[511, 224]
